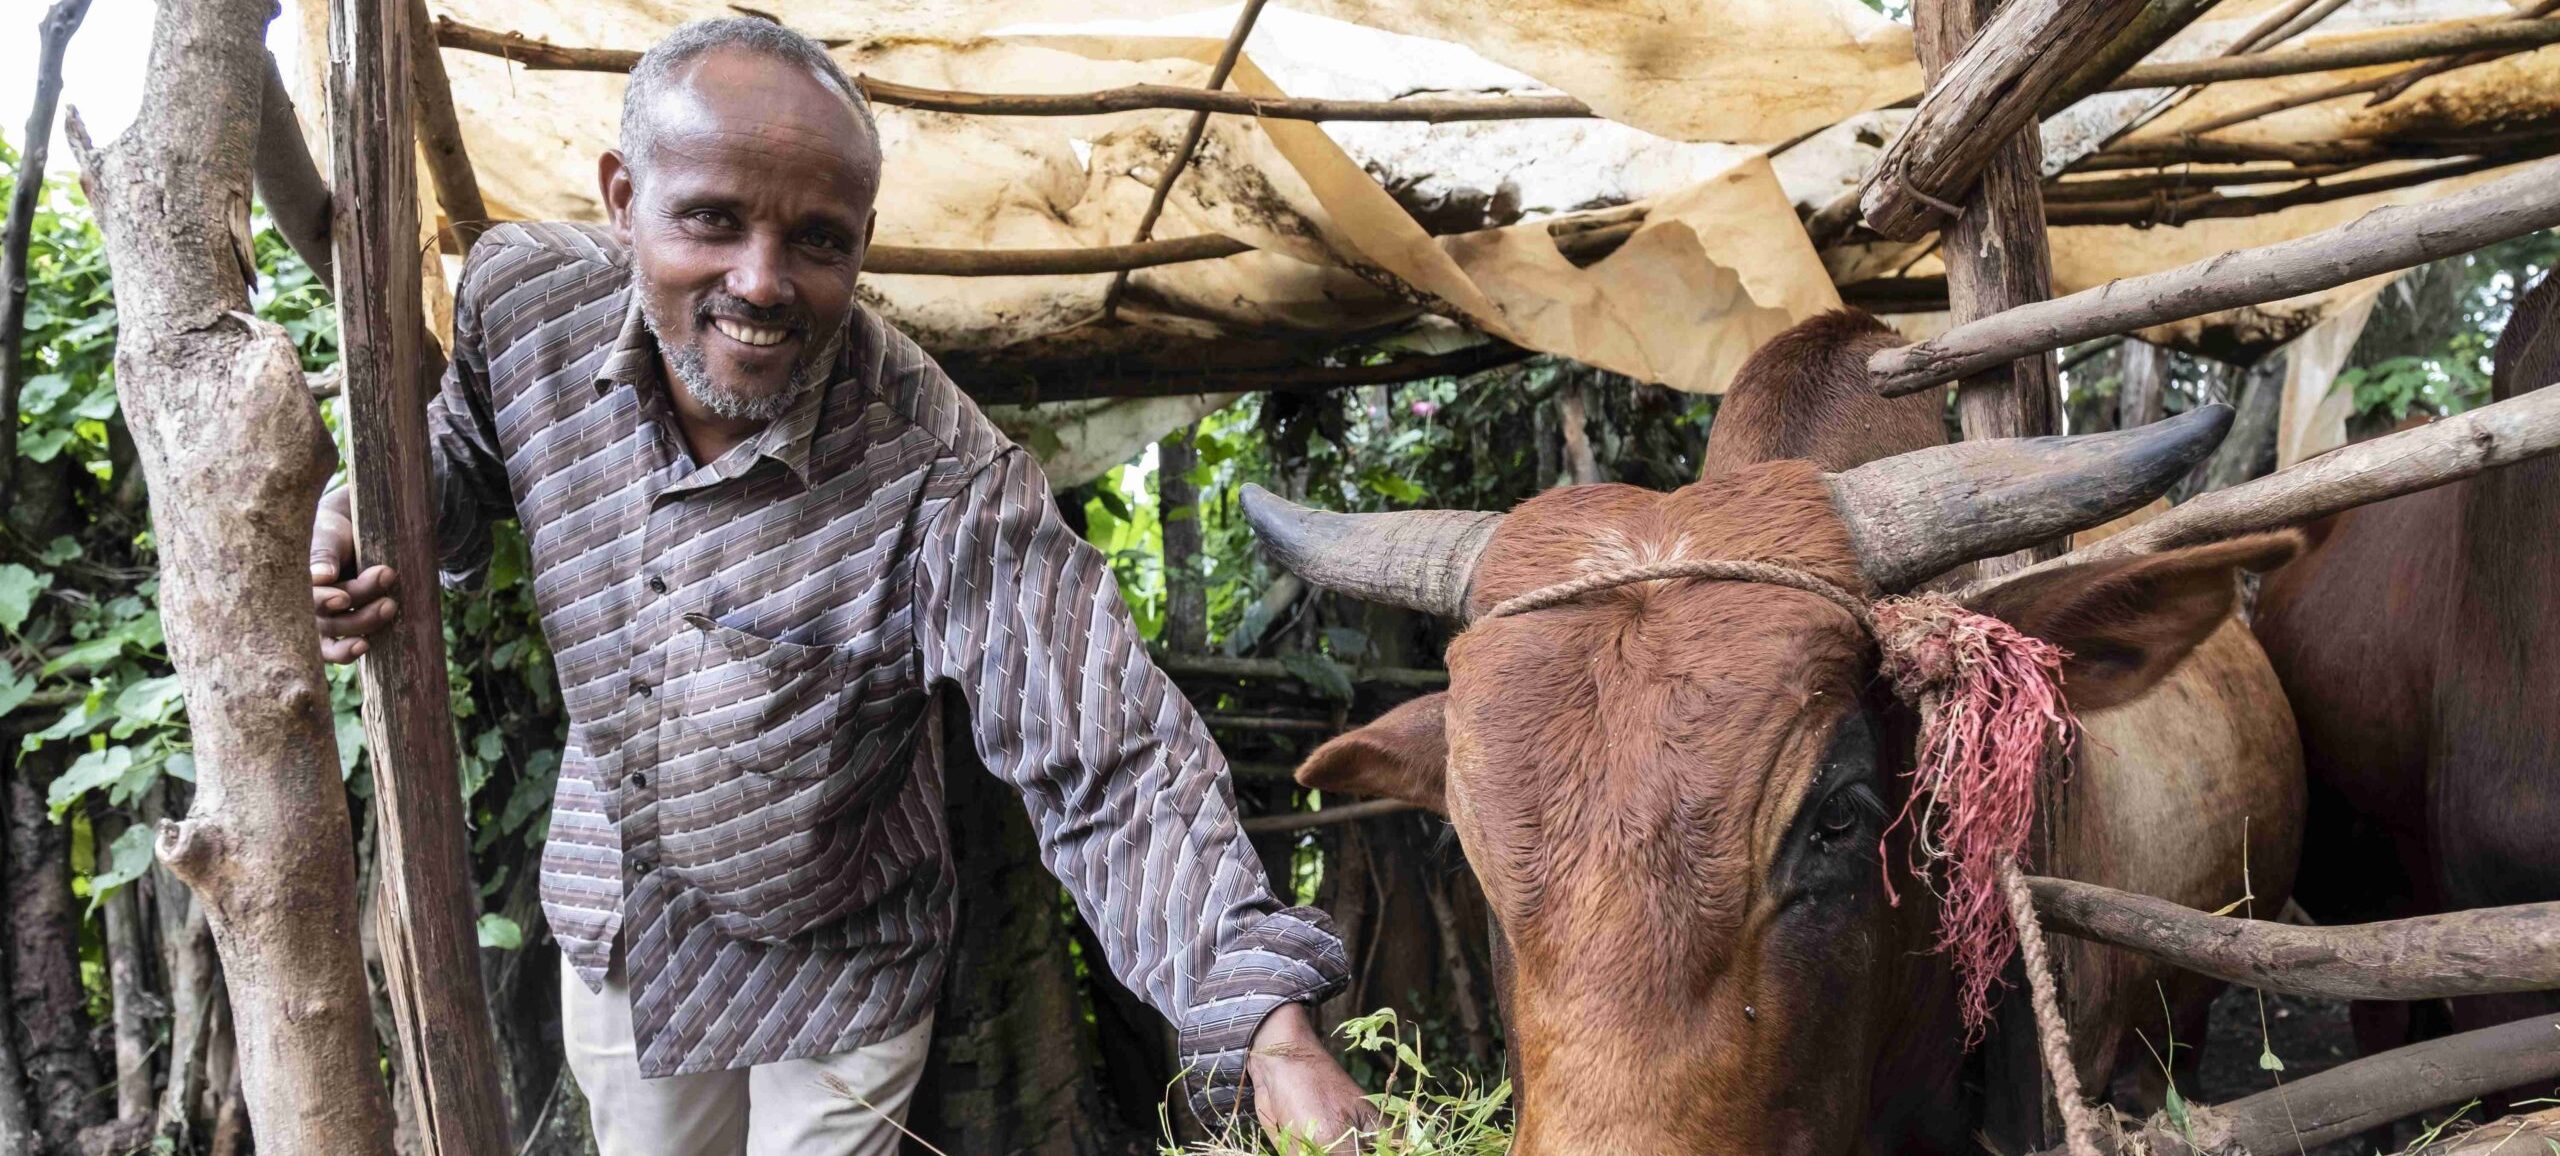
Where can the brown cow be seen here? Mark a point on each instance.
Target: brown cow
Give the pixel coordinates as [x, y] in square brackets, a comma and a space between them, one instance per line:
[1673, 793]
[2419, 639]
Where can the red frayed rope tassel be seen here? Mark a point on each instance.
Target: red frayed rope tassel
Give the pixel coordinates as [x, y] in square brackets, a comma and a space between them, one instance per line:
[1993, 722]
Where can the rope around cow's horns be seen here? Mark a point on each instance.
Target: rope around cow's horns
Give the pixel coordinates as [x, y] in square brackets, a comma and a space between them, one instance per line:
[1993, 722]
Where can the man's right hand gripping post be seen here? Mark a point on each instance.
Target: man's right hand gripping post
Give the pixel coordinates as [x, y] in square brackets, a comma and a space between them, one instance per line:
[348, 611]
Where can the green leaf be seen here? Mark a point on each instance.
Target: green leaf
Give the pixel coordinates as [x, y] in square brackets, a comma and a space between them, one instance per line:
[83, 717]
[90, 771]
[128, 859]
[2267, 1060]
[500, 932]
[62, 549]
[350, 741]
[150, 701]
[180, 766]
[1112, 500]
[1323, 675]
[15, 692]
[42, 445]
[18, 589]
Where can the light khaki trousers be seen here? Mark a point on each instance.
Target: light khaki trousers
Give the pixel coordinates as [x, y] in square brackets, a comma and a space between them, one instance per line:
[793, 1108]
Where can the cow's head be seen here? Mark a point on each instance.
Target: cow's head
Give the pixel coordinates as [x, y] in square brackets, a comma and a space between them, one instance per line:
[1673, 792]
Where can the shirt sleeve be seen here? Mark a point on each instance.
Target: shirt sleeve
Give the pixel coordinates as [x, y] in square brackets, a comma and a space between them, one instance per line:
[470, 477]
[1131, 801]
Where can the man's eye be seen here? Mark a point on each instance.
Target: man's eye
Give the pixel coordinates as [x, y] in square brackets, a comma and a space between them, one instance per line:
[712, 217]
[824, 240]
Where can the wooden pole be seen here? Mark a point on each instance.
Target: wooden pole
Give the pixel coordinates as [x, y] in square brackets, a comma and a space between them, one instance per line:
[2486, 952]
[1191, 134]
[542, 55]
[53, 35]
[2384, 240]
[426, 906]
[440, 136]
[1978, 104]
[1997, 260]
[236, 455]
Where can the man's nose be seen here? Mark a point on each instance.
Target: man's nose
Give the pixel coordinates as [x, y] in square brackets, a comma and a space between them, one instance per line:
[760, 276]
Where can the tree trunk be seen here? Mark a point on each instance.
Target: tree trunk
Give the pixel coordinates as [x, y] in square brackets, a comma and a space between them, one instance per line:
[1009, 1067]
[46, 1003]
[236, 454]
[2250, 449]
[1575, 418]
[2142, 392]
[17, 1120]
[1186, 597]
[125, 949]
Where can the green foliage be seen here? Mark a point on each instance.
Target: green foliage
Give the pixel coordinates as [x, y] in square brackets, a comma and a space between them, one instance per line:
[2427, 350]
[1419, 1113]
[79, 592]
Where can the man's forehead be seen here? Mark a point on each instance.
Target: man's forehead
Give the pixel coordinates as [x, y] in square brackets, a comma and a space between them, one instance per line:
[727, 88]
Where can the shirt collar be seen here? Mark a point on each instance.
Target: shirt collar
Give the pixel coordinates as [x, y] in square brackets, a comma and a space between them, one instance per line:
[633, 361]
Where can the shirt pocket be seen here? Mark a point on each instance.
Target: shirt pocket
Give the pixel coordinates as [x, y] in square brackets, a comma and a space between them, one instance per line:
[760, 706]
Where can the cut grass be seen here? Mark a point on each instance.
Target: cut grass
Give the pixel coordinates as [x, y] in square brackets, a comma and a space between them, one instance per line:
[1419, 1114]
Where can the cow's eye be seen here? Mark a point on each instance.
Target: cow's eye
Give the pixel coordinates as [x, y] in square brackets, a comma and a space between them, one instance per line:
[1845, 813]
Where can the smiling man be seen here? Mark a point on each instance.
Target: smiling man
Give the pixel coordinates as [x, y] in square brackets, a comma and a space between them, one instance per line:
[772, 544]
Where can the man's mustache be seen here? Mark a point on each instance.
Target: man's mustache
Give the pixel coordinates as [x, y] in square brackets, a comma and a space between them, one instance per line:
[740, 309]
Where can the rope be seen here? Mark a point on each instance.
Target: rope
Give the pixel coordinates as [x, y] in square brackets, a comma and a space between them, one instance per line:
[2082, 1131]
[1765, 573]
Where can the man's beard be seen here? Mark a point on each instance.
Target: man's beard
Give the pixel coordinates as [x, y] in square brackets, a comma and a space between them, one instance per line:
[692, 367]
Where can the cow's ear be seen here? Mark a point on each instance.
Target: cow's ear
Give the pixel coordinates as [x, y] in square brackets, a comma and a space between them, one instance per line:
[1403, 755]
[2128, 621]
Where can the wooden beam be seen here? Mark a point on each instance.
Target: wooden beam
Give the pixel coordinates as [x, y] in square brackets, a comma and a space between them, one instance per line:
[2486, 952]
[440, 137]
[2368, 1093]
[2165, 154]
[2518, 429]
[2516, 35]
[1191, 134]
[1220, 666]
[543, 55]
[2159, 21]
[1471, 360]
[225, 430]
[53, 35]
[426, 909]
[2382, 241]
[1980, 102]
[931, 262]
[1997, 258]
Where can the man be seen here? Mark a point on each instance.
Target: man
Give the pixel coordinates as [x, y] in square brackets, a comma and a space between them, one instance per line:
[771, 544]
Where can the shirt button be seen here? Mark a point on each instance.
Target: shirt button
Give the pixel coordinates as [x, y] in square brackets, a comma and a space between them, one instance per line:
[657, 585]
[642, 864]
[641, 689]
[639, 782]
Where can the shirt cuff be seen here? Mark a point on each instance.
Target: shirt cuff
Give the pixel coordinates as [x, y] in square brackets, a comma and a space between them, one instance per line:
[1292, 956]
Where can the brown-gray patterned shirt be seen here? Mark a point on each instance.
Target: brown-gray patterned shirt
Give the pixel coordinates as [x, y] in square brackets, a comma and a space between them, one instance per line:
[754, 653]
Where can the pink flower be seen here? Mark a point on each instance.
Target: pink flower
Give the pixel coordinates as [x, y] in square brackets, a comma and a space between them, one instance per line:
[1425, 408]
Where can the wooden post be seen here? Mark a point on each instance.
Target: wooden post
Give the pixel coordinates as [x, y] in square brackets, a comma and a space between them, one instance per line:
[426, 907]
[2142, 392]
[225, 429]
[1997, 259]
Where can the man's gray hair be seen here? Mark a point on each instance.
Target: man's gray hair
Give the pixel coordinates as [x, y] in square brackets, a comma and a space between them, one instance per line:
[658, 68]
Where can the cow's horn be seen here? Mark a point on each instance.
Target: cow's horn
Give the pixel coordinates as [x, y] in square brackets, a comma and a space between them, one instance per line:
[1419, 559]
[1917, 515]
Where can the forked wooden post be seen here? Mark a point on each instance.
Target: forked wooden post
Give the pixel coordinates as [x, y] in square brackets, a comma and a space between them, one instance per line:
[427, 907]
[1997, 259]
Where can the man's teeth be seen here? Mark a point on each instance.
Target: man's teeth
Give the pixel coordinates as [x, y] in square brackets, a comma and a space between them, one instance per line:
[750, 334]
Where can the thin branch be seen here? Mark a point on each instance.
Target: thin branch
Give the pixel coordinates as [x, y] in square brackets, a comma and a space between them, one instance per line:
[542, 55]
[2381, 241]
[1220, 666]
[2403, 81]
[1327, 817]
[289, 183]
[2164, 154]
[1472, 360]
[53, 35]
[1191, 134]
[2505, 34]
[1048, 262]
[2162, 209]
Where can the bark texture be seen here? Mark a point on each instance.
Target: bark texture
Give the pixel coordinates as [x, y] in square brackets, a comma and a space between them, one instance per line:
[46, 1007]
[428, 909]
[236, 454]
[2142, 393]
[53, 35]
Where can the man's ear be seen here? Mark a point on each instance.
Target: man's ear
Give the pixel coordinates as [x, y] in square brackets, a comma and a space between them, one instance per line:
[2128, 621]
[613, 183]
[1404, 755]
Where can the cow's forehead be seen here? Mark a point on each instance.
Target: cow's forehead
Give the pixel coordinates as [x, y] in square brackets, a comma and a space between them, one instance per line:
[1622, 764]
